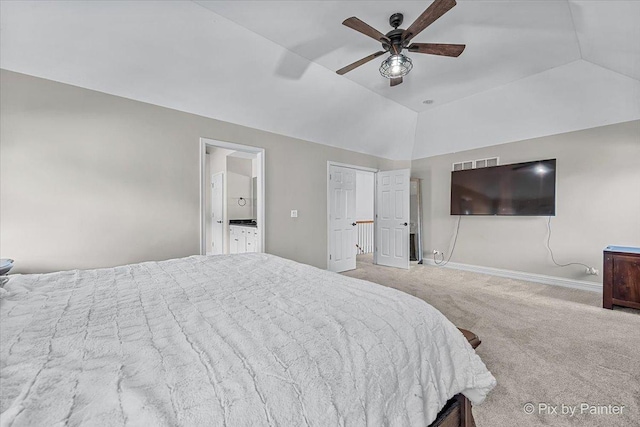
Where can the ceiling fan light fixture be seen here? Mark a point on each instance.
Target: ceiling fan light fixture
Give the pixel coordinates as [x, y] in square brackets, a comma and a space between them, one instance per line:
[396, 66]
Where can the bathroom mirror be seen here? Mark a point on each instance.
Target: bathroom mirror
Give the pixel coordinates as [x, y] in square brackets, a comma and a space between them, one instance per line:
[415, 226]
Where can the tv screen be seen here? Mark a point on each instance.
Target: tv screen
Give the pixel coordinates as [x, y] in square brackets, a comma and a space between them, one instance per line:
[518, 189]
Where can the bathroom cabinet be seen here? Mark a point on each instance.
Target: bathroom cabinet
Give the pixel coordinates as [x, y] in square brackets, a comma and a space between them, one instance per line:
[242, 239]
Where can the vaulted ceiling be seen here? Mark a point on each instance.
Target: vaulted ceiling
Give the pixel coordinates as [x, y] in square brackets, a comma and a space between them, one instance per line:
[531, 68]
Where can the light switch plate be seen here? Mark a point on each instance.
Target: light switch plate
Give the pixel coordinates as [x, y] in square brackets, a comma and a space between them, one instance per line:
[294, 213]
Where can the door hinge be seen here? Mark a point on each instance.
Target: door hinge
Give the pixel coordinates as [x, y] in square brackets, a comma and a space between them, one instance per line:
[329, 257]
[329, 177]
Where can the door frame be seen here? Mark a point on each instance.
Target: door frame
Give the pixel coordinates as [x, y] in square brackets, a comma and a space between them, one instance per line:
[224, 210]
[260, 154]
[358, 168]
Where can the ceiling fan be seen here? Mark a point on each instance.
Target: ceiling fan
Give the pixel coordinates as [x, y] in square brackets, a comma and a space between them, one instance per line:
[398, 65]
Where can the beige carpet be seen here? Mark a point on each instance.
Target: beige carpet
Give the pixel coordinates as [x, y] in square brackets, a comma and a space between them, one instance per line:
[544, 344]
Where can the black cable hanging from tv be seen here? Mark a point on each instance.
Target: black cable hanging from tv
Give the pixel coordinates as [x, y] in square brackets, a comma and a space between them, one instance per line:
[453, 248]
[551, 252]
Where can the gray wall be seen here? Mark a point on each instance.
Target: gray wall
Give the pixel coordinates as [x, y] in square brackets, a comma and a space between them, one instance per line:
[597, 204]
[93, 180]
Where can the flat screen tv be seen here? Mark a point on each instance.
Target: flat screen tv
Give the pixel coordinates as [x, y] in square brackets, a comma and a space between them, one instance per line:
[527, 189]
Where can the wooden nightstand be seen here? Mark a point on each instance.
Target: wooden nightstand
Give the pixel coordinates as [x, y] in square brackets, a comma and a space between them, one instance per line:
[621, 277]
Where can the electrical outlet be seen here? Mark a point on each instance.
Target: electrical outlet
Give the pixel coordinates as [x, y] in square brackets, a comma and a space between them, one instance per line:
[592, 271]
[294, 214]
[436, 252]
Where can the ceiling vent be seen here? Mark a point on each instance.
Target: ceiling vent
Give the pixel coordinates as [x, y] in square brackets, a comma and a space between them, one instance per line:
[474, 164]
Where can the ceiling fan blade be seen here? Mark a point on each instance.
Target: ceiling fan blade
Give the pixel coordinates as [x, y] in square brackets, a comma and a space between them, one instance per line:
[360, 62]
[395, 81]
[364, 28]
[437, 49]
[428, 17]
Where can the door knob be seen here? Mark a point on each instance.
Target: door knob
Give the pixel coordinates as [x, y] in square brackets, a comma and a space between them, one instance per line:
[354, 224]
[405, 224]
[219, 222]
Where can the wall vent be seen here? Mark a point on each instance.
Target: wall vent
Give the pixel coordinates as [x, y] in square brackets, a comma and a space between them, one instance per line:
[461, 166]
[474, 164]
[486, 163]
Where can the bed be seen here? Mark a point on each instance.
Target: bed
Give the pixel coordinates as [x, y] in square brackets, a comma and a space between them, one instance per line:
[235, 340]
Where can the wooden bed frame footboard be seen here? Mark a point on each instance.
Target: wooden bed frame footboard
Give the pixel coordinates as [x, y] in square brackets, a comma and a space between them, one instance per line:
[457, 411]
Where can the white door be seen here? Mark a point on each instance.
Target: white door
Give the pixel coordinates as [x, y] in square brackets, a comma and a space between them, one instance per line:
[343, 235]
[392, 218]
[217, 220]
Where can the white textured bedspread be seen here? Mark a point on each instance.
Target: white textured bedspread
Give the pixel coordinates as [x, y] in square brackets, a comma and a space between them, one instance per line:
[240, 340]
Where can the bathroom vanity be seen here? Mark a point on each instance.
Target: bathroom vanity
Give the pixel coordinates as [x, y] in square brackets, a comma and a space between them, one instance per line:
[243, 236]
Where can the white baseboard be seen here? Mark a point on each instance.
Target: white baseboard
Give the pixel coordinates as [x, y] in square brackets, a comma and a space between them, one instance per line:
[521, 275]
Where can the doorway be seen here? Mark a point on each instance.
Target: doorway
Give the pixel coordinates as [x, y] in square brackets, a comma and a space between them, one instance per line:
[232, 198]
[367, 212]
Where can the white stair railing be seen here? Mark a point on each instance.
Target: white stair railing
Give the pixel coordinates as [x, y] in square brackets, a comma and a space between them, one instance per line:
[365, 236]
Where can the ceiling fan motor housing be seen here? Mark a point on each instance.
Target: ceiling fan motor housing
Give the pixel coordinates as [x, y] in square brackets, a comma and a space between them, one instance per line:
[395, 35]
[395, 39]
[396, 19]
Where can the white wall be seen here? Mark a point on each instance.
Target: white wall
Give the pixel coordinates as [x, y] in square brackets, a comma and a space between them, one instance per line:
[218, 159]
[170, 53]
[597, 204]
[239, 186]
[94, 180]
[239, 174]
[240, 165]
[364, 195]
[579, 95]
